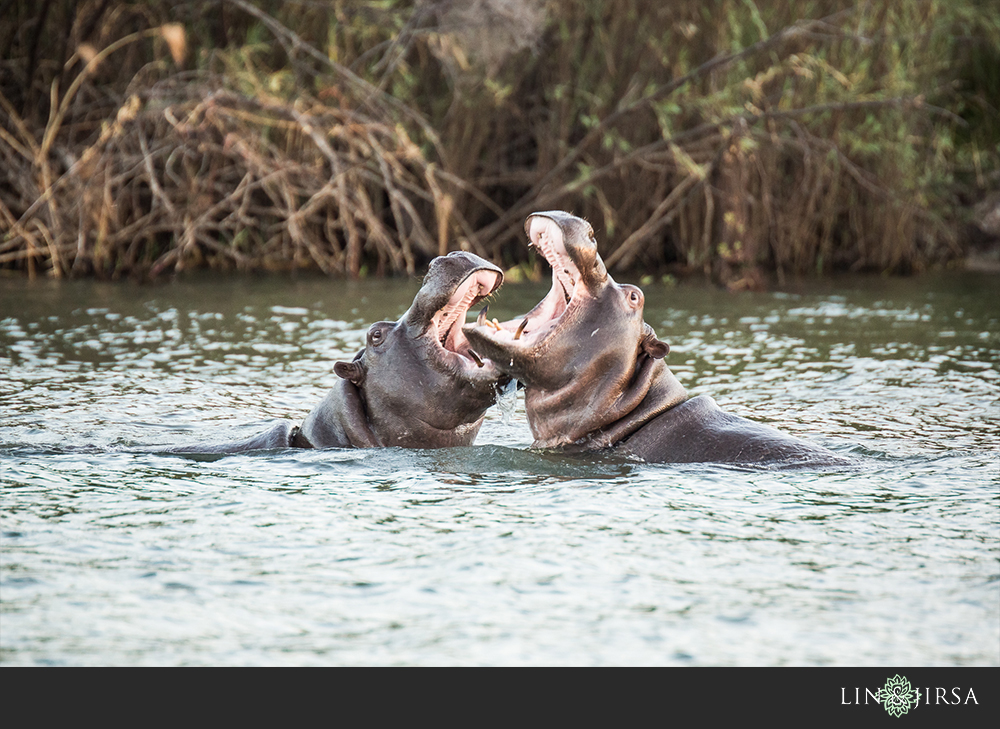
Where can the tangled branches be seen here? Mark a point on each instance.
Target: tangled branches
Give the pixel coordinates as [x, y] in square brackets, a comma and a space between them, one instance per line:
[369, 137]
[193, 175]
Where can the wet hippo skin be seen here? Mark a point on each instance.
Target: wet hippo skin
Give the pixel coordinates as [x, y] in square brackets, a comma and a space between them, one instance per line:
[593, 370]
[414, 385]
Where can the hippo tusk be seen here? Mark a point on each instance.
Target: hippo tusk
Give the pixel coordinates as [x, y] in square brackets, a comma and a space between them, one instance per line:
[481, 319]
[520, 328]
[475, 357]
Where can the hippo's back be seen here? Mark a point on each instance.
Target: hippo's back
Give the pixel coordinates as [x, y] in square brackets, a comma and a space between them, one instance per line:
[698, 431]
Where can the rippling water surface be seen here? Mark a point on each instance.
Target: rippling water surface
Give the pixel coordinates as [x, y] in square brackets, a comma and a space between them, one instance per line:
[494, 554]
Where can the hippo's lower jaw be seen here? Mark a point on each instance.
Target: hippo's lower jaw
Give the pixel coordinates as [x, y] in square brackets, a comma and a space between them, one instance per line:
[519, 345]
[569, 290]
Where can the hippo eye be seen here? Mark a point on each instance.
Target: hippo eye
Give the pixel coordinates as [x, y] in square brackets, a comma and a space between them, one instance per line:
[379, 333]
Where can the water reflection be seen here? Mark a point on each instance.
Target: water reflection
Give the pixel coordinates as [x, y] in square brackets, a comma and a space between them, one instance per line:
[494, 554]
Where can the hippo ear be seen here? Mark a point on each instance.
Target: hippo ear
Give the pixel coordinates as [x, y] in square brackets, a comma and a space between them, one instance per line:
[353, 371]
[652, 346]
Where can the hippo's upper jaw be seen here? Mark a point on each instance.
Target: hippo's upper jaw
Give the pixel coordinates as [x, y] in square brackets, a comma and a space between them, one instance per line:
[454, 284]
[445, 327]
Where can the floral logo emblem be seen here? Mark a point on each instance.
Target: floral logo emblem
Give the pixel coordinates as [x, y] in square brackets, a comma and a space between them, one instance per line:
[897, 695]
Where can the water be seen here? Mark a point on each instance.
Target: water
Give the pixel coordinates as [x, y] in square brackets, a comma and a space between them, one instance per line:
[494, 554]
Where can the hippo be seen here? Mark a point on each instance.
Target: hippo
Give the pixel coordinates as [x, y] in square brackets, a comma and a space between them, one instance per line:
[593, 371]
[416, 384]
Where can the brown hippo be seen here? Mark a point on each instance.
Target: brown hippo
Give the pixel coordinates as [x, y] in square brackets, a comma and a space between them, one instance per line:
[414, 385]
[593, 370]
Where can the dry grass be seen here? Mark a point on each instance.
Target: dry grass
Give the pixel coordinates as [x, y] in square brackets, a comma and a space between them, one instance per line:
[366, 138]
[192, 174]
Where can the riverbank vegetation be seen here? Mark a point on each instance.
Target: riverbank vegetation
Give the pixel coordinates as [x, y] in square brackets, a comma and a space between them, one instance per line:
[728, 137]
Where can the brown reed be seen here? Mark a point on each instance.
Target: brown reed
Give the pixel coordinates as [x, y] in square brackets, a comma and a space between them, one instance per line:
[727, 137]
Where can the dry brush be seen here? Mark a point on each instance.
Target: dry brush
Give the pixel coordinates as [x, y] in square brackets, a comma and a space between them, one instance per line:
[361, 138]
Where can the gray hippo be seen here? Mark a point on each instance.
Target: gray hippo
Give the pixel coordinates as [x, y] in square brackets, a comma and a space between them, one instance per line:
[593, 370]
[416, 384]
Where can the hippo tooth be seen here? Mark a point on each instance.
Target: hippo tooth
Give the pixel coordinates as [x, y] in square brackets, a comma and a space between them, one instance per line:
[475, 356]
[481, 319]
[520, 328]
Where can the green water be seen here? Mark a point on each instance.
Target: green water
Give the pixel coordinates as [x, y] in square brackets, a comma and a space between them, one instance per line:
[494, 554]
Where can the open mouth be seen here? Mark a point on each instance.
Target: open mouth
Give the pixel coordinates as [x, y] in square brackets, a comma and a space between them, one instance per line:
[446, 324]
[546, 236]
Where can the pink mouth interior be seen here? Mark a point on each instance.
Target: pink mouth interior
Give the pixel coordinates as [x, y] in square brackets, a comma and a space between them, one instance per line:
[449, 319]
[547, 237]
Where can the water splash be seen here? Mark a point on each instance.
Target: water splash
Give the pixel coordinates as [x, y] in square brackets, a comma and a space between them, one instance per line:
[507, 401]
